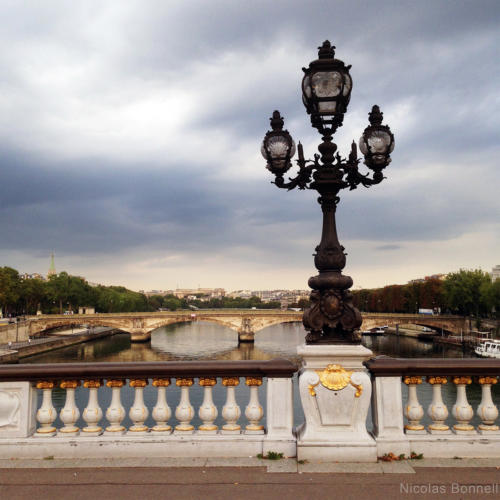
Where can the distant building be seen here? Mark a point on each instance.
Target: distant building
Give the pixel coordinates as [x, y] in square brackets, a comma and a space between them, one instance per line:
[212, 293]
[32, 276]
[52, 267]
[495, 273]
[86, 310]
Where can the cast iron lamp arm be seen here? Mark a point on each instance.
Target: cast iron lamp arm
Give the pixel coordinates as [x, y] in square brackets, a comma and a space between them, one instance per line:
[354, 177]
[303, 178]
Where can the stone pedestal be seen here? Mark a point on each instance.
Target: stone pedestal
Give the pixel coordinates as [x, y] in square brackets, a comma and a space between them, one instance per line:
[335, 390]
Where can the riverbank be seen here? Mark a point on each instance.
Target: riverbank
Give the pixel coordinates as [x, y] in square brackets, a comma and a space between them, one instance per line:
[416, 334]
[18, 350]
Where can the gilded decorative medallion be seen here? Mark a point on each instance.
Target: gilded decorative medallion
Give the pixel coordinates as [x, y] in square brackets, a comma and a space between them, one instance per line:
[335, 378]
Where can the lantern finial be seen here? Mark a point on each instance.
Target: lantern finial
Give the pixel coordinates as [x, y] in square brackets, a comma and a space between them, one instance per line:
[326, 51]
[375, 116]
[276, 121]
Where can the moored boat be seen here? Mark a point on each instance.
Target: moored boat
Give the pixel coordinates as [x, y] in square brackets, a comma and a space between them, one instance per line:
[488, 349]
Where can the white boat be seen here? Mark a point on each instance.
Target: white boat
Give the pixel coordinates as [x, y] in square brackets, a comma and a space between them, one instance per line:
[488, 349]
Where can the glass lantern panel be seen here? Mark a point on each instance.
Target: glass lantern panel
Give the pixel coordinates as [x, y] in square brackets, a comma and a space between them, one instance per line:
[292, 149]
[263, 150]
[362, 145]
[327, 106]
[379, 142]
[277, 147]
[347, 84]
[327, 83]
[306, 86]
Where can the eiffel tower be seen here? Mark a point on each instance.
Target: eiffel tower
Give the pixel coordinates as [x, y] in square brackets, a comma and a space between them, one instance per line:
[52, 268]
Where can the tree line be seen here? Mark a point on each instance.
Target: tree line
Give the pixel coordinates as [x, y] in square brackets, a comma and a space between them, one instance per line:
[63, 292]
[466, 292]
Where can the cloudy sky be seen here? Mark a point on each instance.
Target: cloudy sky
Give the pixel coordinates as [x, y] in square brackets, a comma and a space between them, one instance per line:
[130, 135]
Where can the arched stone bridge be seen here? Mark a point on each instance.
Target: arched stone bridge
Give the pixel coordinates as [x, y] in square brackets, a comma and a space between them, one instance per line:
[244, 321]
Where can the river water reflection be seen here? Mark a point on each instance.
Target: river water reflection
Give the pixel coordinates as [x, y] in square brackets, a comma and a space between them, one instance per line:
[203, 340]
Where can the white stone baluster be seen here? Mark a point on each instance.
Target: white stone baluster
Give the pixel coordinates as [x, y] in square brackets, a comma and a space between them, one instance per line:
[46, 413]
[437, 409]
[208, 411]
[115, 412]
[92, 414]
[231, 411]
[70, 413]
[184, 411]
[161, 412]
[254, 411]
[462, 410]
[487, 411]
[414, 411]
[138, 412]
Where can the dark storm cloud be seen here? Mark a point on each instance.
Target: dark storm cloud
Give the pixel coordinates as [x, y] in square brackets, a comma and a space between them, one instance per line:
[126, 126]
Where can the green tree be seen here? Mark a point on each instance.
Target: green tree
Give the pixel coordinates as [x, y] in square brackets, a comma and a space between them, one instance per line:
[490, 294]
[10, 284]
[462, 291]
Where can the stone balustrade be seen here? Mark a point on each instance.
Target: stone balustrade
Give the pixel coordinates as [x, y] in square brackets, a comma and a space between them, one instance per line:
[438, 407]
[30, 423]
[454, 428]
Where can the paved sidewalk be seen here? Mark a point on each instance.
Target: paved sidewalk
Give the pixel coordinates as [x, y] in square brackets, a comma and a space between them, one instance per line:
[218, 478]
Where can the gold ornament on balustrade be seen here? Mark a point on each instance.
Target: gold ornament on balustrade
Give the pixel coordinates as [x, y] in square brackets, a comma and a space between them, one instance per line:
[69, 384]
[184, 382]
[208, 381]
[161, 382]
[138, 382]
[462, 380]
[335, 378]
[115, 383]
[412, 380]
[92, 383]
[437, 380]
[252, 381]
[230, 381]
[45, 384]
[487, 380]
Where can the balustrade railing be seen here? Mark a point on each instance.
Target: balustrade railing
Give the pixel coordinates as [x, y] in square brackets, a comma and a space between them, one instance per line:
[442, 422]
[21, 385]
[438, 407]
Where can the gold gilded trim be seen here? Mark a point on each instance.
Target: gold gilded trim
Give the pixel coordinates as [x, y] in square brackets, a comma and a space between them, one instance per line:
[253, 381]
[208, 381]
[311, 387]
[358, 387]
[115, 383]
[184, 382]
[437, 380]
[69, 384]
[45, 384]
[231, 381]
[416, 427]
[487, 380]
[161, 382]
[334, 377]
[412, 381]
[92, 383]
[462, 381]
[138, 382]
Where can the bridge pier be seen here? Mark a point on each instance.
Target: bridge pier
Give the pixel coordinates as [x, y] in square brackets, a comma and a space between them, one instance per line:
[140, 336]
[246, 337]
[246, 333]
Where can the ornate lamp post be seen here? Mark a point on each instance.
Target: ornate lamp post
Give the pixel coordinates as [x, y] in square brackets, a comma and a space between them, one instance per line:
[326, 91]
